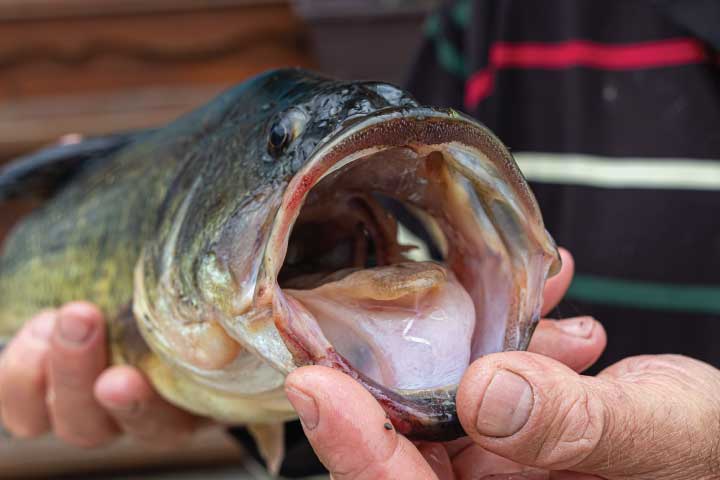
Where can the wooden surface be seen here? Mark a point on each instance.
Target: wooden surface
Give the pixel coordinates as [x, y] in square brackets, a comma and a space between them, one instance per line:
[47, 457]
[134, 64]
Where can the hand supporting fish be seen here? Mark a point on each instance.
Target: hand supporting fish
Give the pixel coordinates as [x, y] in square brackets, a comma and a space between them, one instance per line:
[261, 233]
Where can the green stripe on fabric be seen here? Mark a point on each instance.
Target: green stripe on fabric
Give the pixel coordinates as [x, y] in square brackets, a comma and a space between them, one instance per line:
[448, 57]
[655, 296]
[461, 13]
[432, 25]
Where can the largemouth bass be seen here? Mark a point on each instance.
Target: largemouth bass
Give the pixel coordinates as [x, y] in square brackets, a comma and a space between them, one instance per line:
[268, 230]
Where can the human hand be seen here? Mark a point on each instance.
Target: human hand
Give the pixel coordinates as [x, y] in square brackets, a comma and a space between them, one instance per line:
[54, 376]
[345, 424]
[648, 417]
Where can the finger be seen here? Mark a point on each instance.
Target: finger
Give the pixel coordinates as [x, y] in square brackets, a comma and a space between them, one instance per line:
[437, 457]
[572, 476]
[23, 378]
[556, 286]
[77, 357]
[475, 462]
[536, 411]
[576, 342]
[348, 429]
[139, 410]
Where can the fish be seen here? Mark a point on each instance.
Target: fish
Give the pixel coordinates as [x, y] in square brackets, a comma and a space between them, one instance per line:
[294, 220]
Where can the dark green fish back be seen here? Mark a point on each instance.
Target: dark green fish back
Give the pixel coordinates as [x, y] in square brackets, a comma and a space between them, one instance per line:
[42, 173]
[83, 243]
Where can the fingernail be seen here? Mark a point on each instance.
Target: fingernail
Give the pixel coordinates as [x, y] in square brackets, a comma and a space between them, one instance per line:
[43, 326]
[506, 405]
[305, 407]
[577, 327]
[75, 329]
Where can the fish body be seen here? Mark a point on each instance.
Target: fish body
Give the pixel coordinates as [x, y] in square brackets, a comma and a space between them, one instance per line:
[265, 231]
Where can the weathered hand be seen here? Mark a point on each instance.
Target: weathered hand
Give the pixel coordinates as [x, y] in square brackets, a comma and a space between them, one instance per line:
[648, 417]
[54, 376]
[346, 425]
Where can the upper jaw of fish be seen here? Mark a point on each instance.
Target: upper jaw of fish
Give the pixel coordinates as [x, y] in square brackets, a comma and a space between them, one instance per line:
[415, 326]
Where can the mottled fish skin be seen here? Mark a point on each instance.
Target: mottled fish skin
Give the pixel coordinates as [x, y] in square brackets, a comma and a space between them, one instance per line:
[85, 242]
[168, 236]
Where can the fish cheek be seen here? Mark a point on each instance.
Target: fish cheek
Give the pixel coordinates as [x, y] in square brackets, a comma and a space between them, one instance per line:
[203, 344]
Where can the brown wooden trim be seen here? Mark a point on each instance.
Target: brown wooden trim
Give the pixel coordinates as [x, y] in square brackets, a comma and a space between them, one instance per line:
[144, 51]
[29, 123]
[46, 457]
[12, 10]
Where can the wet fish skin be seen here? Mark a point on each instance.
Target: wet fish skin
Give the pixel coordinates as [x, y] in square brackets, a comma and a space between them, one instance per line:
[169, 234]
[85, 242]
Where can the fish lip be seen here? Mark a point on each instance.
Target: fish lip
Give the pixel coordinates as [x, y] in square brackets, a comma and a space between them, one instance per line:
[427, 415]
[330, 154]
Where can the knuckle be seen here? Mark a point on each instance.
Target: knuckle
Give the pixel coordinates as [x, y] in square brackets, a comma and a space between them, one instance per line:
[713, 460]
[80, 440]
[574, 432]
[382, 467]
[25, 430]
[18, 374]
[72, 379]
[344, 464]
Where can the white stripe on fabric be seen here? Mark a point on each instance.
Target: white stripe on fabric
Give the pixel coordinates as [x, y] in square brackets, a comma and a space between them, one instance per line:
[614, 172]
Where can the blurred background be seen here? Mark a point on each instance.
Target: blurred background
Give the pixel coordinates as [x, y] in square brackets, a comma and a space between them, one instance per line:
[92, 67]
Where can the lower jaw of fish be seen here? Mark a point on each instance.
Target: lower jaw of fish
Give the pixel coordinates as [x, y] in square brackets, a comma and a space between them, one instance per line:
[388, 262]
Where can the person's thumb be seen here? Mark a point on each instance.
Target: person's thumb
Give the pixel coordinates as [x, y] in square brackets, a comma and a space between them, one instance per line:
[633, 421]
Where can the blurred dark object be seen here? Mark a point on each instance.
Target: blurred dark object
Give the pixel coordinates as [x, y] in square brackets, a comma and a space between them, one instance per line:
[48, 457]
[365, 39]
[97, 67]
[700, 17]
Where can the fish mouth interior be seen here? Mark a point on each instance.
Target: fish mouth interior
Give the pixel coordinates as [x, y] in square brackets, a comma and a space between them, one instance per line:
[389, 266]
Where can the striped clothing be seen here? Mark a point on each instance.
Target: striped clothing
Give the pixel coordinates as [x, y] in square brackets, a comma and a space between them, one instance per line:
[612, 110]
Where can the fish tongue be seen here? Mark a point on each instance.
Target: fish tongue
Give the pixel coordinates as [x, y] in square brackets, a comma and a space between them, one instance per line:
[406, 326]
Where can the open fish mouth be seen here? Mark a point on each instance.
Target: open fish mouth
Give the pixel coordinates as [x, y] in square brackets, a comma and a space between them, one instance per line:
[408, 246]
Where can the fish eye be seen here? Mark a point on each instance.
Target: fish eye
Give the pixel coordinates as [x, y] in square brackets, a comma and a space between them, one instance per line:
[279, 137]
[286, 129]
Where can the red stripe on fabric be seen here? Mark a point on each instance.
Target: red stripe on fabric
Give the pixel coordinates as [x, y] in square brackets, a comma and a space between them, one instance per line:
[579, 53]
[601, 56]
[478, 87]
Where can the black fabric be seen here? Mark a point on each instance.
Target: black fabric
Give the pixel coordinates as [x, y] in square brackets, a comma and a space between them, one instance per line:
[699, 17]
[646, 332]
[660, 113]
[651, 235]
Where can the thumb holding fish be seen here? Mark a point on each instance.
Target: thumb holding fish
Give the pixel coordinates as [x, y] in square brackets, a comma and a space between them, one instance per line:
[530, 415]
[649, 417]
[351, 434]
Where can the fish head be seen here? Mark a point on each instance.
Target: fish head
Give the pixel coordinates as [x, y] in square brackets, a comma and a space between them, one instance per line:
[343, 224]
